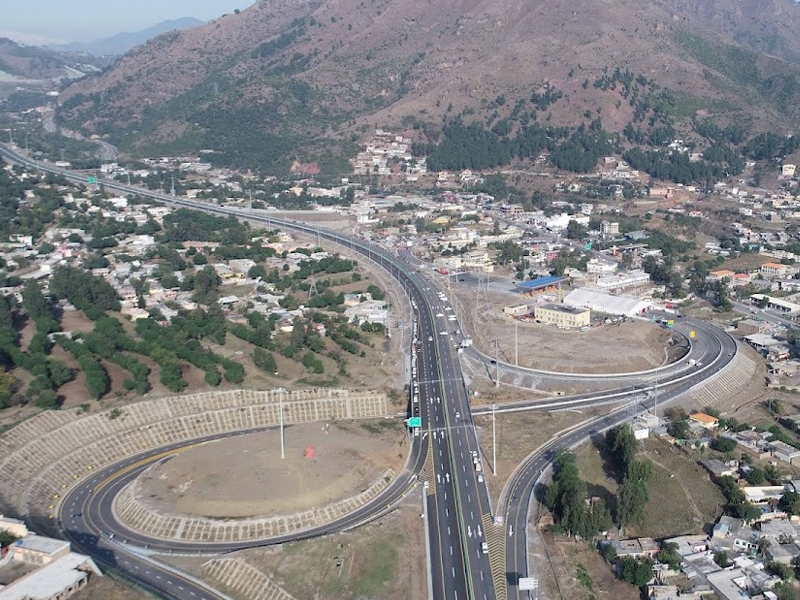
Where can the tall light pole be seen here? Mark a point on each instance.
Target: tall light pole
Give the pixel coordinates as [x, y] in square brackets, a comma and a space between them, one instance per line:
[494, 442]
[280, 397]
[496, 364]
[516, 342]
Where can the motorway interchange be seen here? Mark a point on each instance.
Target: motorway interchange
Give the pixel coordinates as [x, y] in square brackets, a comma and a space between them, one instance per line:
[444, 459]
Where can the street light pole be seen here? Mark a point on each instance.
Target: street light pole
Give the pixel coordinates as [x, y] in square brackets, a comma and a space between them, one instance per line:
[494, 442]
[516, 342]
[280, 396]
[496, 364]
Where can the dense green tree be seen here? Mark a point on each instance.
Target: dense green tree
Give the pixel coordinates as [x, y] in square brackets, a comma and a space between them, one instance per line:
[636, 572]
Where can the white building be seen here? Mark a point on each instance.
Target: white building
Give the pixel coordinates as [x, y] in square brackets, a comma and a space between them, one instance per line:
[606, 303]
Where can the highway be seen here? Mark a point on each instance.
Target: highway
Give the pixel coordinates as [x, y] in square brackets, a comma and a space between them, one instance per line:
[526, 480]
[457, 502]
[445, 451]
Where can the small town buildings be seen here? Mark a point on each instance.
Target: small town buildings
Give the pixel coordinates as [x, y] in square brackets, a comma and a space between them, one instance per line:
[565, 316]
[57, 572]
[635, 548]
[705, 421]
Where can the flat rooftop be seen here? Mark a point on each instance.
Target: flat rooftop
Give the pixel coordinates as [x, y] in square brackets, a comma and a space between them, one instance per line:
[565, 309]
[40, 543]
[539, 282]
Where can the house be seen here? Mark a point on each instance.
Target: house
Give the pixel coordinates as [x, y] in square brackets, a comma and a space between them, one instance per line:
[705, 421]
[784, 451]
[770, 270]
[635, 548]
[738, 584]
[562, 315]
[57, 572]
[720, 275]
[788, 170]
[718, 468]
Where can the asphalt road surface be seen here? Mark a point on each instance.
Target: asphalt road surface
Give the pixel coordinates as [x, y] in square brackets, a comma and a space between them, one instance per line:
[457, 498]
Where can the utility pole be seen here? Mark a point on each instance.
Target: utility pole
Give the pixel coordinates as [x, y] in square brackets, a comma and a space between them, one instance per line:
[516, 342]
[494, 442]
[280, 396]
[172, 189]
[655, 397]
[496, 364]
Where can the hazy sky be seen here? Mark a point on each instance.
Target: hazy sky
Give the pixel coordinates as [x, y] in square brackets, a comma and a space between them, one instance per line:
[84, 20]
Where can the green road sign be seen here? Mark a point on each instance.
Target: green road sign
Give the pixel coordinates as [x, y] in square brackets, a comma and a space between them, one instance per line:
[588, 246]
[92, 180]
[415, 422]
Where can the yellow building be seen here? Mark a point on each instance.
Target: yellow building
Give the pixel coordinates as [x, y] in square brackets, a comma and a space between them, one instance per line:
[560, 314]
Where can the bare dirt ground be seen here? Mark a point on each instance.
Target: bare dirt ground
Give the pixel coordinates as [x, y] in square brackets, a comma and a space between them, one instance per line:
[245, 476]
[568, 557]
[519, 434]
[384, 560]
[108, 588]
[630, 346]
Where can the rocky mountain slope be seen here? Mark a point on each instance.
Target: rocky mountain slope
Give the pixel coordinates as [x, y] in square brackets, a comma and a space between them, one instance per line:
[267, 85]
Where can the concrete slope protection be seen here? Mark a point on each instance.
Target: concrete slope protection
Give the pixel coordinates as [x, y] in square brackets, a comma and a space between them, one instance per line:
[446, 447]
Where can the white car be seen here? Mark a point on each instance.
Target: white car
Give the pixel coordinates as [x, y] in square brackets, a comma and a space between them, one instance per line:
[430, 338]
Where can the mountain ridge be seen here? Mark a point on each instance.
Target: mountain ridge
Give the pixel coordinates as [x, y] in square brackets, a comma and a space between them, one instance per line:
[316, 69]
[120, 43]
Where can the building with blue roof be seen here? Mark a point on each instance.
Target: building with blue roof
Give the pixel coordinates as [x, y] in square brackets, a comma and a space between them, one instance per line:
[540, 283]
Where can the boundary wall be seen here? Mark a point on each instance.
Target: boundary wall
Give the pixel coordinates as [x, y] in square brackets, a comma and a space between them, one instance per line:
[46, 455]
[129, 509]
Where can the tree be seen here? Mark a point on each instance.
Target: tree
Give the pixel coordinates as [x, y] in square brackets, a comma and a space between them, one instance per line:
[631, 500]
[264, 361]
[575, 231]
[785, 572]
[622, 444]
[723, 444]
[206, 283]
[756, 476]
[784, 591]
[678, 429]
[669, 555]
[790, 502]
[636, 572]
[34, 302]
[722, 559]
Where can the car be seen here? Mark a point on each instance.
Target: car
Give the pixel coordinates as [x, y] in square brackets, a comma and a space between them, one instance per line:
[430, 338]
[458, 415]
[480, 478]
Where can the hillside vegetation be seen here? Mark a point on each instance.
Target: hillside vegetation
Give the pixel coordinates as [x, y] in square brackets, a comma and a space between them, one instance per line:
[304, 79]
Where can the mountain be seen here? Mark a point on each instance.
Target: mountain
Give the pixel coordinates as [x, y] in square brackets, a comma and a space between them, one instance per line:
[29, 39]
[27, 64]
[301, 80]
[122, 42]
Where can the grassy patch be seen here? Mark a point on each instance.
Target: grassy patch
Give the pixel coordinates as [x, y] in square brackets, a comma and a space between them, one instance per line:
[379, 567]
[584, 578]
[378, 427]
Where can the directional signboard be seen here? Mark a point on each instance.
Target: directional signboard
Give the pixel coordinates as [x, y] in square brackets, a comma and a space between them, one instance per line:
[91, 181]
[415, 422]
[528, 584]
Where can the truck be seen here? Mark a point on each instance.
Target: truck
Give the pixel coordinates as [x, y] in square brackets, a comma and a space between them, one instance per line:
[466, 342]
